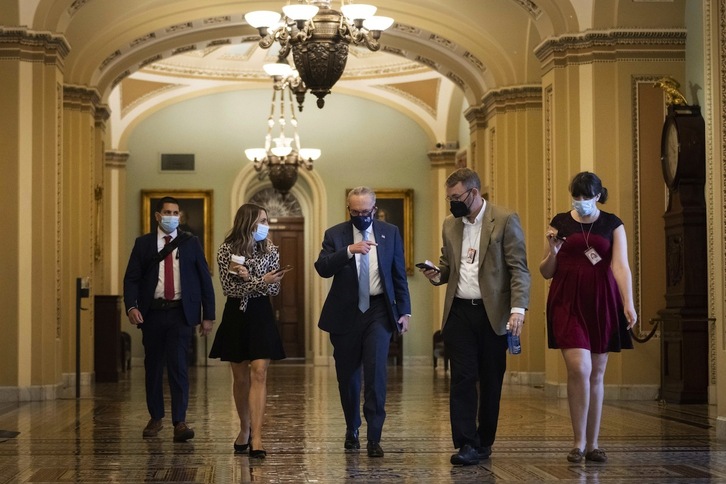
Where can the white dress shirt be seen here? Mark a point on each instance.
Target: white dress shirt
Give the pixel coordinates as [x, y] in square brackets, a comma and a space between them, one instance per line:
[159, 292]
[376, 287]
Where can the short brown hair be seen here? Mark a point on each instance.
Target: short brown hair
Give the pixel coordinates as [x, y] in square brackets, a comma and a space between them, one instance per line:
[467, 177]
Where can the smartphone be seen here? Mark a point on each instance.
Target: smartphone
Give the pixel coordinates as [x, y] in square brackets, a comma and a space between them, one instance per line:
[423, 265]
[283, 269]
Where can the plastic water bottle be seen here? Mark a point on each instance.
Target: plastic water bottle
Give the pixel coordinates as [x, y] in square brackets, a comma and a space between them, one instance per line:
[515, 347]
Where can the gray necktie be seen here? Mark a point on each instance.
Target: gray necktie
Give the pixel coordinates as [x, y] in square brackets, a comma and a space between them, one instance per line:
[364, 289]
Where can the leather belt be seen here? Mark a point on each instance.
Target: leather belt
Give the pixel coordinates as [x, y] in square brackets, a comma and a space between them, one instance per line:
[165, 304]
[473, 302]
[377, 296]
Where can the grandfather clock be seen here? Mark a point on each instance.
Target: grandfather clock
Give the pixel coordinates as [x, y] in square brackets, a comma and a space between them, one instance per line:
[684, 365]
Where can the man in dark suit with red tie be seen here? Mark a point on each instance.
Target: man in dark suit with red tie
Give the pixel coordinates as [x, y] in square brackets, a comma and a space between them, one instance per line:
[367, 301]
[168, 291]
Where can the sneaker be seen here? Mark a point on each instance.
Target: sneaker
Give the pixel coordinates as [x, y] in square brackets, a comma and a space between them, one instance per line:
[182, 433]
[152, 428]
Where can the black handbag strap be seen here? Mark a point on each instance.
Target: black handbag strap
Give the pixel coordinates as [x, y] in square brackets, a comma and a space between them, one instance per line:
[169, 248]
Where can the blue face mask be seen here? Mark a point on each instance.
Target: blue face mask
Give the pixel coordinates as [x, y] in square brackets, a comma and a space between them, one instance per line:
[361, 222]
[169, 223]
[584, 208]
[261, 232]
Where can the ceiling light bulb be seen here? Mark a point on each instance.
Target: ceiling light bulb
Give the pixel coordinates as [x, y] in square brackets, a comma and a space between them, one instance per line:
[300, 12]
[281, 69]
[378, 23]
[358, 11]
[255, 154]
[310, 153]
[262, 18]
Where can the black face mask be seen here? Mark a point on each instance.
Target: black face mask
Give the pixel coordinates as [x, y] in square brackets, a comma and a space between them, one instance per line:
[458, 208]
[360, 222]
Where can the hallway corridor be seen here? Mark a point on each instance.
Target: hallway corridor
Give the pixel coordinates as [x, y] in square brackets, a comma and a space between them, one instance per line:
[98, 439]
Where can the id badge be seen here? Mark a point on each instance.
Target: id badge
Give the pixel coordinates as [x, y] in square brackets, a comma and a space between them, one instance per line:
[593, 256]
[470, 255]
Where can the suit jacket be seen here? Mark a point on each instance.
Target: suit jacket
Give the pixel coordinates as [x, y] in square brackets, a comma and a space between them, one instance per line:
[142, 275]
[503, 274]
[341, 305]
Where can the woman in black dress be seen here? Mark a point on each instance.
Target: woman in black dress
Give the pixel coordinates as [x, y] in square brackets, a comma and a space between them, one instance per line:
[247, 336]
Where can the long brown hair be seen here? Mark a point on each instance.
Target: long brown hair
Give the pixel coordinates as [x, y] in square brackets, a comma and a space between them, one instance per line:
[240, 237]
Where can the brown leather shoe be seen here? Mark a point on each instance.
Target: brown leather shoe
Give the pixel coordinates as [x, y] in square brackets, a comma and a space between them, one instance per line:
[182, 433]
[152, 428]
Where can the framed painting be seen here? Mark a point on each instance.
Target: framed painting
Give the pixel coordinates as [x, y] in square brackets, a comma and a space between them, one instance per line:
[195, 207]
[395, 206]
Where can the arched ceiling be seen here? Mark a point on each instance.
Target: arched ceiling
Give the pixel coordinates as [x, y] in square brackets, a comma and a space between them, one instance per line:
[157, 51]
[477, 45]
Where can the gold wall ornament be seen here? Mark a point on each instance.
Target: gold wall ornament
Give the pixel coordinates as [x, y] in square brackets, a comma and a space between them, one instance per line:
[670, 87]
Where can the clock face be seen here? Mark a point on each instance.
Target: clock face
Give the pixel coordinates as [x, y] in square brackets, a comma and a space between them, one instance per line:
[670, 153]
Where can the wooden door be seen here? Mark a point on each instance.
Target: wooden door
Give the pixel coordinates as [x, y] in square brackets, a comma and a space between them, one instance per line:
[289, 306]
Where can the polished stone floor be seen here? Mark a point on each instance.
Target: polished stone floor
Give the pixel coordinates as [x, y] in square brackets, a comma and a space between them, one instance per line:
[98, 438]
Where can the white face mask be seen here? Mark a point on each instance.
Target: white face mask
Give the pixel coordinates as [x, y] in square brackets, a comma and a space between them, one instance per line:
[584, 207]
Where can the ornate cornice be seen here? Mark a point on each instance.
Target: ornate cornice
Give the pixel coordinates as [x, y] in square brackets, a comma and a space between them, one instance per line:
[612, 46]
[498, 101]
[520, 98]
[532, 8]
[476, 115]
[81, 98]
[116, 159]
[27, 45]
[442, 157]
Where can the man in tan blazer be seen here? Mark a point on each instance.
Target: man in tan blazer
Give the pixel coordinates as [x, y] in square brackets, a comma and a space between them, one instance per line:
[483, 261]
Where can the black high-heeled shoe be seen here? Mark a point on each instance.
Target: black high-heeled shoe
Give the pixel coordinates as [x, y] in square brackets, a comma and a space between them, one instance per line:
[242, 448]
[257, 453]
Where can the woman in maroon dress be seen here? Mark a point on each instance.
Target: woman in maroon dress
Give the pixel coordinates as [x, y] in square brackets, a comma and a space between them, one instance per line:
[590, 303]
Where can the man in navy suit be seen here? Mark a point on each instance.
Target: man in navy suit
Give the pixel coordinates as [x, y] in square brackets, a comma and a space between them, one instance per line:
[361, 317]
[166, 295]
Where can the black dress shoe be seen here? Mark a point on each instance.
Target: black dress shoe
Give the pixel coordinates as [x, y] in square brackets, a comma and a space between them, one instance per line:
[467, 456]
[257, 453]
[484, 452]
[374, 449]
[351, 440]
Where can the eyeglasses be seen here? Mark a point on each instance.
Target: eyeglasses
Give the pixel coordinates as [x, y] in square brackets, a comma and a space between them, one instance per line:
[457, 198]
[356, 213]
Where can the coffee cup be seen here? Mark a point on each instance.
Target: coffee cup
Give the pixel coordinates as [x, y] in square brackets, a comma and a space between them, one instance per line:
[235, 262]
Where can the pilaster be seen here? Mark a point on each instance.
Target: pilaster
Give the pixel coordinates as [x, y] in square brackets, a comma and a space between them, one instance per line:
[30, 190]
[83, 120]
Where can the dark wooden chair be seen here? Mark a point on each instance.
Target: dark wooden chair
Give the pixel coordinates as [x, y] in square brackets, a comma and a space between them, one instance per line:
[440, 351]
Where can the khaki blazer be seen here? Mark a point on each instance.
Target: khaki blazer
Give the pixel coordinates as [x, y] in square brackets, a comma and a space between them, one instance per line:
[504, 278]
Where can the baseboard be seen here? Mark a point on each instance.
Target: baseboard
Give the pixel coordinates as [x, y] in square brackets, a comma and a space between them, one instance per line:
[38, 393]
[528, 378]
[612, 392]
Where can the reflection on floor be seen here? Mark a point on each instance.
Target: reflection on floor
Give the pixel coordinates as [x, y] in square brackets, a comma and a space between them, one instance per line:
[98, 439]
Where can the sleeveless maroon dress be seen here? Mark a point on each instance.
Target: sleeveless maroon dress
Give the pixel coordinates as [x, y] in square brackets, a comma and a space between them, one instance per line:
[584, 308]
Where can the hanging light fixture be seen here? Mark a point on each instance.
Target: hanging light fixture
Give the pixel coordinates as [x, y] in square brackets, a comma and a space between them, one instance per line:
[282, 155]
[319, 37]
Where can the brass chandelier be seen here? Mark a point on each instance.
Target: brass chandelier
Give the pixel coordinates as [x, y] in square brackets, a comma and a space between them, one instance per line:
[282, 155]
[319, 37]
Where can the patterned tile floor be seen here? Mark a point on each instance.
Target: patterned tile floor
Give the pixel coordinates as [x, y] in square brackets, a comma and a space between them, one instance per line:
[98, 438]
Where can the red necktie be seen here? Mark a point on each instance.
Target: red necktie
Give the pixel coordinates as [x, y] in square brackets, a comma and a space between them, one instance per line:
[168, 273]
